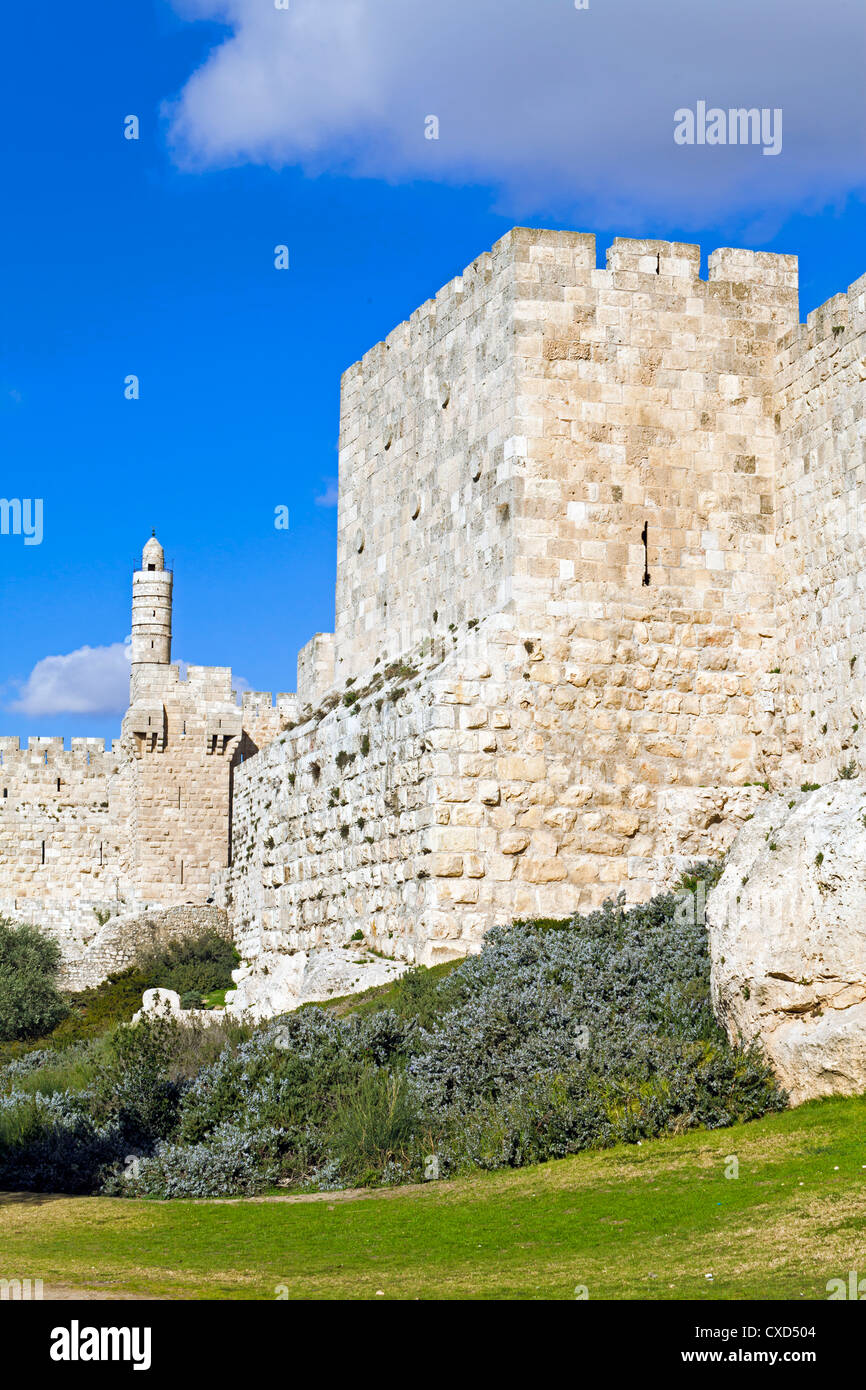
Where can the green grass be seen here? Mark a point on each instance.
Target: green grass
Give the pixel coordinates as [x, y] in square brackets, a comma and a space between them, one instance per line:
[67, 1074]
[217, 998]
[646, 1222]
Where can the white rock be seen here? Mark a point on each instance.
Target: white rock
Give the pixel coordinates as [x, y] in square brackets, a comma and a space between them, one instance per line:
[165, 1003]
[158, 1001]
[787, 928]
[279, 981]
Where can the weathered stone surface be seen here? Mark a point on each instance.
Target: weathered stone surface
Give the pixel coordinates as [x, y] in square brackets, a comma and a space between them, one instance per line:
[98, 950]
[787, 925]
[283, 980]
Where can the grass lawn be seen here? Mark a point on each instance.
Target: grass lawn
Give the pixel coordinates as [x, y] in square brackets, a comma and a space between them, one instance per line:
[632, 1222]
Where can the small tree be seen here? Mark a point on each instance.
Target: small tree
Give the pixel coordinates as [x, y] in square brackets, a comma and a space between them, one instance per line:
[30, 1002]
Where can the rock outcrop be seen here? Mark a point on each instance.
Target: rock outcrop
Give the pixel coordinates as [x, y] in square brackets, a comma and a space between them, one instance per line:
[787, 927]
[279, 981]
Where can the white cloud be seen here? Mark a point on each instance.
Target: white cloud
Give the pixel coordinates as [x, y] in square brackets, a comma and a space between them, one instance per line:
[91, 680]
[561, 109]
[330, 496]
[240, 685]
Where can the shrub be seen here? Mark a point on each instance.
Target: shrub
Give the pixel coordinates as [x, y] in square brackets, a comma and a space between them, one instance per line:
[133, 1086]
[558, 1036]
[95, 1011]
[51, 1144]
[30, 1002]
[200, 965]
[420, 996]
[232, 1162]
[50, 1070]
[587, 1033]
[374, 1123]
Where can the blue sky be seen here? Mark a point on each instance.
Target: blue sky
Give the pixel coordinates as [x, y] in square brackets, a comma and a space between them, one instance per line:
[156, 257]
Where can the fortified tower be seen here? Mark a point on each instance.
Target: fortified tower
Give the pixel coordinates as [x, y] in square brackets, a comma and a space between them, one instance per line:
[601, 582]
[184, 733]
[151, 608]
[108, 848]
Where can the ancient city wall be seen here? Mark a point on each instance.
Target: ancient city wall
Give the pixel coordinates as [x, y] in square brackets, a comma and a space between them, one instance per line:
[821, 416]
[443, 795]
[453, 794]
[425, 532]
[586, 730]
[90, 837]
[184, 739]
[645, 400]
[64, 832]
[600, 582]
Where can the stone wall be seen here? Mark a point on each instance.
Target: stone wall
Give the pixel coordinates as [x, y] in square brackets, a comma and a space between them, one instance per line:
[98, 949]
[563, 649]
[451, 793]
[425, 523]
[64, 831]
[821, 416]
[315, 669]
[90, 838]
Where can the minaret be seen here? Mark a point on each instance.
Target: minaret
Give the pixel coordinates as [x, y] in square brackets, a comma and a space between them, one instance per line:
[151, 608]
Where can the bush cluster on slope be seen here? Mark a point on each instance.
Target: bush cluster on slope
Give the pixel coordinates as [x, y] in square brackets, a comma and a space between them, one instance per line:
[557, 1037]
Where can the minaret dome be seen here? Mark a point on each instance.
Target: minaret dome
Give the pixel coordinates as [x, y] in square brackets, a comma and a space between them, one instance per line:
[153, 556]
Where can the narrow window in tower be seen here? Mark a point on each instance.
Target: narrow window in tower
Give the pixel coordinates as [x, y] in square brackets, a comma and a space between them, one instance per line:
[181, 871]
[58, 784]
[43, 851]
[644, 534]
[100, 854]
[151, 567]
[5, 792]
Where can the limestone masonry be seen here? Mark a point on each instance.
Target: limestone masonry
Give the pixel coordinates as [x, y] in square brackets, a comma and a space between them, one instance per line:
[600, 576]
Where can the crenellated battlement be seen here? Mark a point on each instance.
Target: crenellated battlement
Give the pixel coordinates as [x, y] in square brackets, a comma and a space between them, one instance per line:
[828, 328]
[40, 751]
[657, 263]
